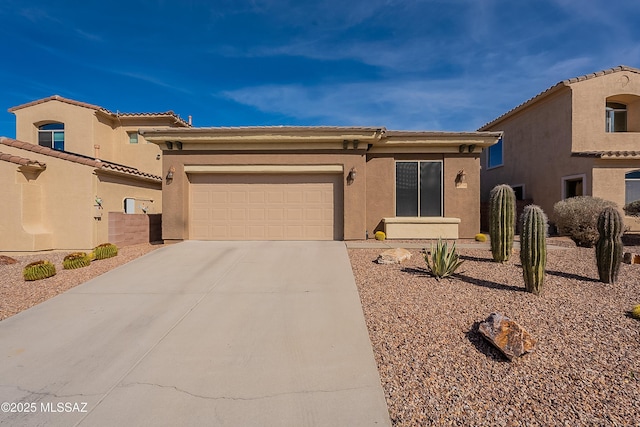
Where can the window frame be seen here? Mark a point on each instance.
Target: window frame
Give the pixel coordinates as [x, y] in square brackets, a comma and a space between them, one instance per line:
[130, 134]
[637, 171]
[395, 182]
[54, 128]
[613, 110]
[495, 146]
[575, 177]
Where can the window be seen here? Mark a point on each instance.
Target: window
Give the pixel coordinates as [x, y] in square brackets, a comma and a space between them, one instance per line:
[494, 155]
[129, 206]
[573, 186]
[52, 135]
[133, 137]
[419, 188]
[616, 117]
[519, 191]
[631, 187]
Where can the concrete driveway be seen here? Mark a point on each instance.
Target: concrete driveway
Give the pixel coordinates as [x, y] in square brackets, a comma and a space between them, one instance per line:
[199, 333]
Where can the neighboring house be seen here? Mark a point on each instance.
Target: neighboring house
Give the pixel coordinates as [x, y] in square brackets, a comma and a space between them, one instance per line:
[58, 200]
[319, 183]
[579, 137]
[70, 166]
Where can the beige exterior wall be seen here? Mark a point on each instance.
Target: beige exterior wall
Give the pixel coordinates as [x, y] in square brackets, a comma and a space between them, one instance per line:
[55, 208]
[86, 128]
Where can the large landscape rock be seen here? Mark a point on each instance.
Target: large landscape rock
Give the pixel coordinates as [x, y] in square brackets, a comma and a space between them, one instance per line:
[5, 260]
[506, 335]
[631, 258]
[393, 256]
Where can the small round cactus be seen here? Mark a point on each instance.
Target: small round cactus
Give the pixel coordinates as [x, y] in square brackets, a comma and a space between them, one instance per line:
[76, 260]
[105, 250]
[38, 270]
[380, 235]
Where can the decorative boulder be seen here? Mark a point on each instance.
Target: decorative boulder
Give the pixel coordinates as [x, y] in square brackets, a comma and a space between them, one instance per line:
[507, 336]
[631, 258]
[393, 256]
[5, 260]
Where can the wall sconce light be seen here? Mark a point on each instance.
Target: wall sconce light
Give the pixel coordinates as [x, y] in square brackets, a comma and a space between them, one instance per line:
[472, 147]
[461, 179]
[169, 177]
[169, 145]
[179, 145]
[351, 176]
[157, 156]
[345, 144]
[461, 148]
[355, 144]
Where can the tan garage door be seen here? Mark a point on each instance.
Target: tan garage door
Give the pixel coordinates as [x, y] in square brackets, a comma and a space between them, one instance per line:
[265, 207]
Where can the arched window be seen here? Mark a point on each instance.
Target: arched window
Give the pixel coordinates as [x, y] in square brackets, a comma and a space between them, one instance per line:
[616, 117]
[631, 187]
[51, 135]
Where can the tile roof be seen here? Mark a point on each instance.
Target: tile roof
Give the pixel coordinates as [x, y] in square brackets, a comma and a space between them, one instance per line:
[608, 154]
[22, 161]
[558, 86]
[117, 114]
[76, 158]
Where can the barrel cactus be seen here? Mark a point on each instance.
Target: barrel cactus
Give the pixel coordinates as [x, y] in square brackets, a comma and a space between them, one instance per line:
[502, 213]
[609, 246]
[38, 270]
[533, 248]
[105, 250]
[76, 260]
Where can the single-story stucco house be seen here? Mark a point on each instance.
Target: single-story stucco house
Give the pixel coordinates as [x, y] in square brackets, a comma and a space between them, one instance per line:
[318, 183]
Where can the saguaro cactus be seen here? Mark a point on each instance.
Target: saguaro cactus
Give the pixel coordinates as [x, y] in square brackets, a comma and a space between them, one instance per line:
[502, 213]
[533, 248]
[609, 245]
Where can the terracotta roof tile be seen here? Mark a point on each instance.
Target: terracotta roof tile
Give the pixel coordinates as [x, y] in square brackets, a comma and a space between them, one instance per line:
[75, 158]
[623, 154]
[22, 161]
[557, 86]
[171, 114]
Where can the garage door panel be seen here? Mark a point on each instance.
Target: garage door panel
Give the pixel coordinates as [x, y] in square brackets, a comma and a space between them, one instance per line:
[265, 207]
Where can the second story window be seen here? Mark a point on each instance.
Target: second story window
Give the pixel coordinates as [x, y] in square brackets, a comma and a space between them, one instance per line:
[51, 135]
[495, 155]
[616, 117]
[133, 137]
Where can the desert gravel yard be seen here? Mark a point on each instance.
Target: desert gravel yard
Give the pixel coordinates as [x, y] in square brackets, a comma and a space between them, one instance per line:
[436, 369]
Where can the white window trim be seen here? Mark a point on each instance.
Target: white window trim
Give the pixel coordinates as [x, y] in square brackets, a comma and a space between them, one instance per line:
[571, 178]
[489, 155]
[395, 198]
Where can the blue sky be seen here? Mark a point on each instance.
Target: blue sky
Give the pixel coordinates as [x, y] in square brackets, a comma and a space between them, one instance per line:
[406, 64]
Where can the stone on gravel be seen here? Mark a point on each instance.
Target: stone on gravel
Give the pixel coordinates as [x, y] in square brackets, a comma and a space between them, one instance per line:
[631, 258]
[506, 335]
[5, 260]
[393, 256]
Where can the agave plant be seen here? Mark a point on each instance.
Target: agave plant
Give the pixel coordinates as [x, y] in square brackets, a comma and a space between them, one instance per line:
[442, 261]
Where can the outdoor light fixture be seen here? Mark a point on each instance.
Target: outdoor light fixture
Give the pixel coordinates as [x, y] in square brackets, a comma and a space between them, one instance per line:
[351, 176]
[472, 147]
[172, 169]
[179, 145]
[462, 148]
[169, 145]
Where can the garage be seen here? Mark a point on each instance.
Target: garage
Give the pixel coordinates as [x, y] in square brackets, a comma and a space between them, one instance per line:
[265, 207]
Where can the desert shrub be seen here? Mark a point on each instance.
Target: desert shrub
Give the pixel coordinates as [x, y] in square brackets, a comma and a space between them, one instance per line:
[105, 250]
[481, 238]
[442, 262]
[76, 260]
[380, 235]
[577, 217]
[38, 270]
[632, 209]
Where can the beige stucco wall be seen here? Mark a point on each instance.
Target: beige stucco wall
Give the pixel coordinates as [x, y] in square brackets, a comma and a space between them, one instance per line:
[85, 128]
[55, 208]
[537, 152]
[589, 101]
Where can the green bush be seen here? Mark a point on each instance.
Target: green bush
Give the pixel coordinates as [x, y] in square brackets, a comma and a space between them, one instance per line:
[38, 270]
[105, 250]
[577, 217]
[442, 262]
[632, 209]
[76, 260]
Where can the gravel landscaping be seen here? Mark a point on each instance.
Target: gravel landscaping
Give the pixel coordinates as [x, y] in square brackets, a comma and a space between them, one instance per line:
[16, 294]
[436, 369]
